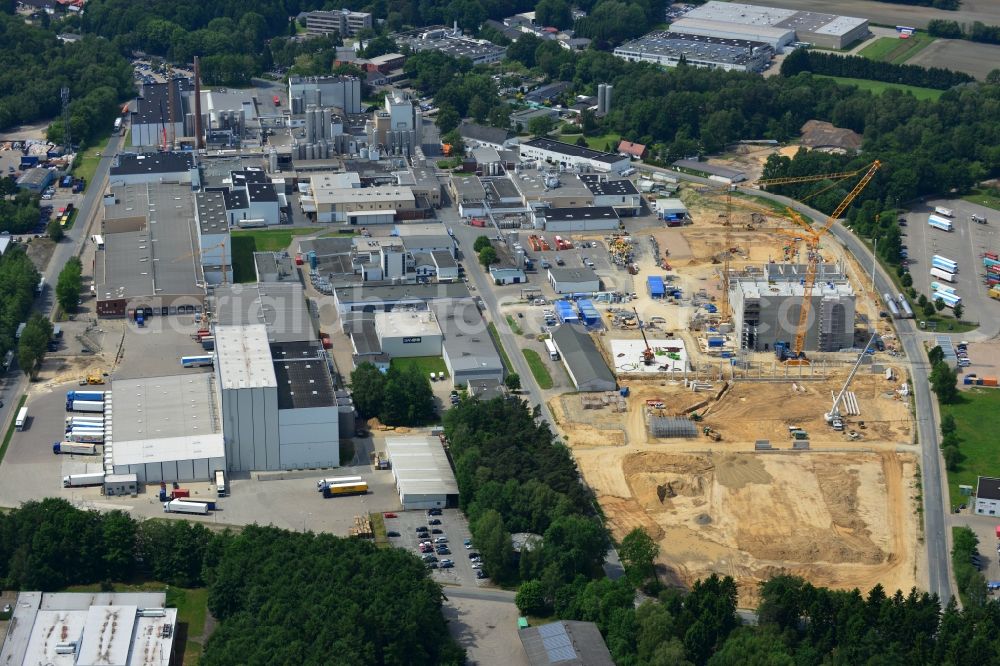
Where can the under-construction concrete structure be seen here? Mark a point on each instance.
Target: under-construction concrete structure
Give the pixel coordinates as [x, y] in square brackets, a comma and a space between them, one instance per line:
[766, 305]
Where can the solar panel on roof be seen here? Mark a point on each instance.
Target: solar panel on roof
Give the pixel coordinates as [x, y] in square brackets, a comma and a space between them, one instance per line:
[557, 642]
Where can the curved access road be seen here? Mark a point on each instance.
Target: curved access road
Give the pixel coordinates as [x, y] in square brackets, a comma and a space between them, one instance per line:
[933, 489]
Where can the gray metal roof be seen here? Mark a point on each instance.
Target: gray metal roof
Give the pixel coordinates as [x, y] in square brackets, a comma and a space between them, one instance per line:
[483, 133]
[152, 105]
[275, 267]
[390, 294]
[581, 213]
[211, 207]
[327, 247]
[280, 306]
[467, 341]
[599, 186]
[303, 375]
[420, 466]
[161, 407]
[572, 274]
[129, 164]
[581, 354]
[568, 643]
[158, 259]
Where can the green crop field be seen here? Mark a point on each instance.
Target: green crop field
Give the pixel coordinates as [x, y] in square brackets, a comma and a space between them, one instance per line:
[977, 415]
[879, 87]
[895, 50]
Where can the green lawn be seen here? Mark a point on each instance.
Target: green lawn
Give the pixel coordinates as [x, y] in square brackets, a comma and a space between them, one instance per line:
[879, 87]
[513, 325]
[426, 364]
[977, 415]
[538, 368]
[86, 164]
[986, 198]
[895, 50]
[245, 243]
[503, 352]
[10, 430]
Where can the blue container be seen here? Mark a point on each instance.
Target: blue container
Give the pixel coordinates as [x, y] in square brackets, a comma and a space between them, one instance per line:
[716, 341]
[312, 259]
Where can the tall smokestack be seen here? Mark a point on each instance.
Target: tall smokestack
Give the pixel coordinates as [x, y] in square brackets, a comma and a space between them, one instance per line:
[198, 143]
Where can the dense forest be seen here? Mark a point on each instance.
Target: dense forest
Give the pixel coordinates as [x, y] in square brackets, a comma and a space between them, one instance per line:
[817, 62]
[19, 278]
[399, 397]
[34, 65]
[280, 597]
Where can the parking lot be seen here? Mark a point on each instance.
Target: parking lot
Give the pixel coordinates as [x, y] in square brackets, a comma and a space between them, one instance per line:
[965, 245]
[453, 526]
[985, 529]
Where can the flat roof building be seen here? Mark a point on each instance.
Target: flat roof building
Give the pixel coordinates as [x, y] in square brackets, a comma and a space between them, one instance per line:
[670, 48]
[159, 167]
[89, 629]
[567, 643]
[987, 496]
[150, 119]
[446, 40]
[403, 334]
[280, 306]
[563, 190]
[360, 205]
[584, 362]
[468, 349]
[775, 26]
[378, 297]
[150, 257]
[587, 219]
[424, 478]
[345, 22]
[574, 280]
[572, 156]
[168, 428]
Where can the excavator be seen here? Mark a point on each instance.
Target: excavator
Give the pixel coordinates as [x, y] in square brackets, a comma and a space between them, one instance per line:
[648, 357]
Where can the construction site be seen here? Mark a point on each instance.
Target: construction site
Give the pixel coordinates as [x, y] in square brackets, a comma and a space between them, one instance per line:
[741, 459]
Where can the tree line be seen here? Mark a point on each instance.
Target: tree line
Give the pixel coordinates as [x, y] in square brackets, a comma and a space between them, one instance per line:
[19, 278]
[35, 65]
[936, 4]
[977, 32]
[856, 67]
[399, 397]
[19, 212]
[280, 597]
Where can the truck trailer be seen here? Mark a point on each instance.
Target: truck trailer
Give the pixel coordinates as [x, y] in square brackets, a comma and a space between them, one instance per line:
[91, 406]
[905, 311]
[74, 447]
[950, 300]
[80, 480]
[937, 286]
[890, 303]
[85, 395]
[91, 436]
[947, 212]
[941, 223]
[940, 261]
[185, 506]
[942, 274]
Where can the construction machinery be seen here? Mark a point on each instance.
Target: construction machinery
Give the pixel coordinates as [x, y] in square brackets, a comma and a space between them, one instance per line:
[648, 357]
[712, 434]
[222, 245]
[812, 237]
[833, 417]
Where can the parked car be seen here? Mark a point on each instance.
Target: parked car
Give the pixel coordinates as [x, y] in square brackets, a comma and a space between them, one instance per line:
[392, 534]
[436, 531]
[480, 574]
[448, 565]
[422, 528]
[436, 521]
[390, 515]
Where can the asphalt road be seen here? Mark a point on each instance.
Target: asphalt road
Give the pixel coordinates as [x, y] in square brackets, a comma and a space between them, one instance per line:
[935, 529]
[17, 383]
[466, 236]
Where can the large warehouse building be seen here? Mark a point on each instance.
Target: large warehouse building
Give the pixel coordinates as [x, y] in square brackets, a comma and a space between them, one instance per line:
[468, 349]
[771, 25]
[279, 409]
[423, 475]
[403, 334]
[90, 629]
[167, 429]
[669, 49]
[583, 361]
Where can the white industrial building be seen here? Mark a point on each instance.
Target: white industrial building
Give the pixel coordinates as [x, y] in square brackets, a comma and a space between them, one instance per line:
[341, 92]
[279, 410]
[404, 334]
[216, 247]
[988, 496]
[571, 156]
[670, 49]
[468, 349]
[423, 475]
[90, 629]
[670, 207]
[398, 127]
[161, 167]
[574, 280]
[618, 193]
[766, 307]
[771, 25]
[168, 428]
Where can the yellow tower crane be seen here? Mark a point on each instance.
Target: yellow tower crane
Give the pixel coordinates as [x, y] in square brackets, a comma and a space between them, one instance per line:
[812, 237]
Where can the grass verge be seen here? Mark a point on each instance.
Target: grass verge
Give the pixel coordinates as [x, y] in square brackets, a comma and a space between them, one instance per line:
[492, 328]
[86, 165]
[895, 50]
[977, 417]
[10, 429]
[425, 364]
[513, 325]
[378, 527]
[538, 369]
[879, 87]
[987, 198]
[245, 243]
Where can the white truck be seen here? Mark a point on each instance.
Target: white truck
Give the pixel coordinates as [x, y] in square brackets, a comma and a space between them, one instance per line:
[941, 210]
[550, 346]
[80, 480]
[184, 506]
[74, 447]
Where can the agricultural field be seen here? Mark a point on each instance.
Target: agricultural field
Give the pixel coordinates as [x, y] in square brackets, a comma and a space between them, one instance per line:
[894, 50]
[889, 14]
[879, 87]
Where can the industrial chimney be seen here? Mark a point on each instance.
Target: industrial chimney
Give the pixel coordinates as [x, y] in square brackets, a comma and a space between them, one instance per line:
[198, 141]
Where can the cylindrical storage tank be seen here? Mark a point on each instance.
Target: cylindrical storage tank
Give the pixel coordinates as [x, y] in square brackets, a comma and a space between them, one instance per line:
[601, 96]
[311, 151]
[189, 124]
[326, 123]
[364, 153]
[608, 91]
[272, 161]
